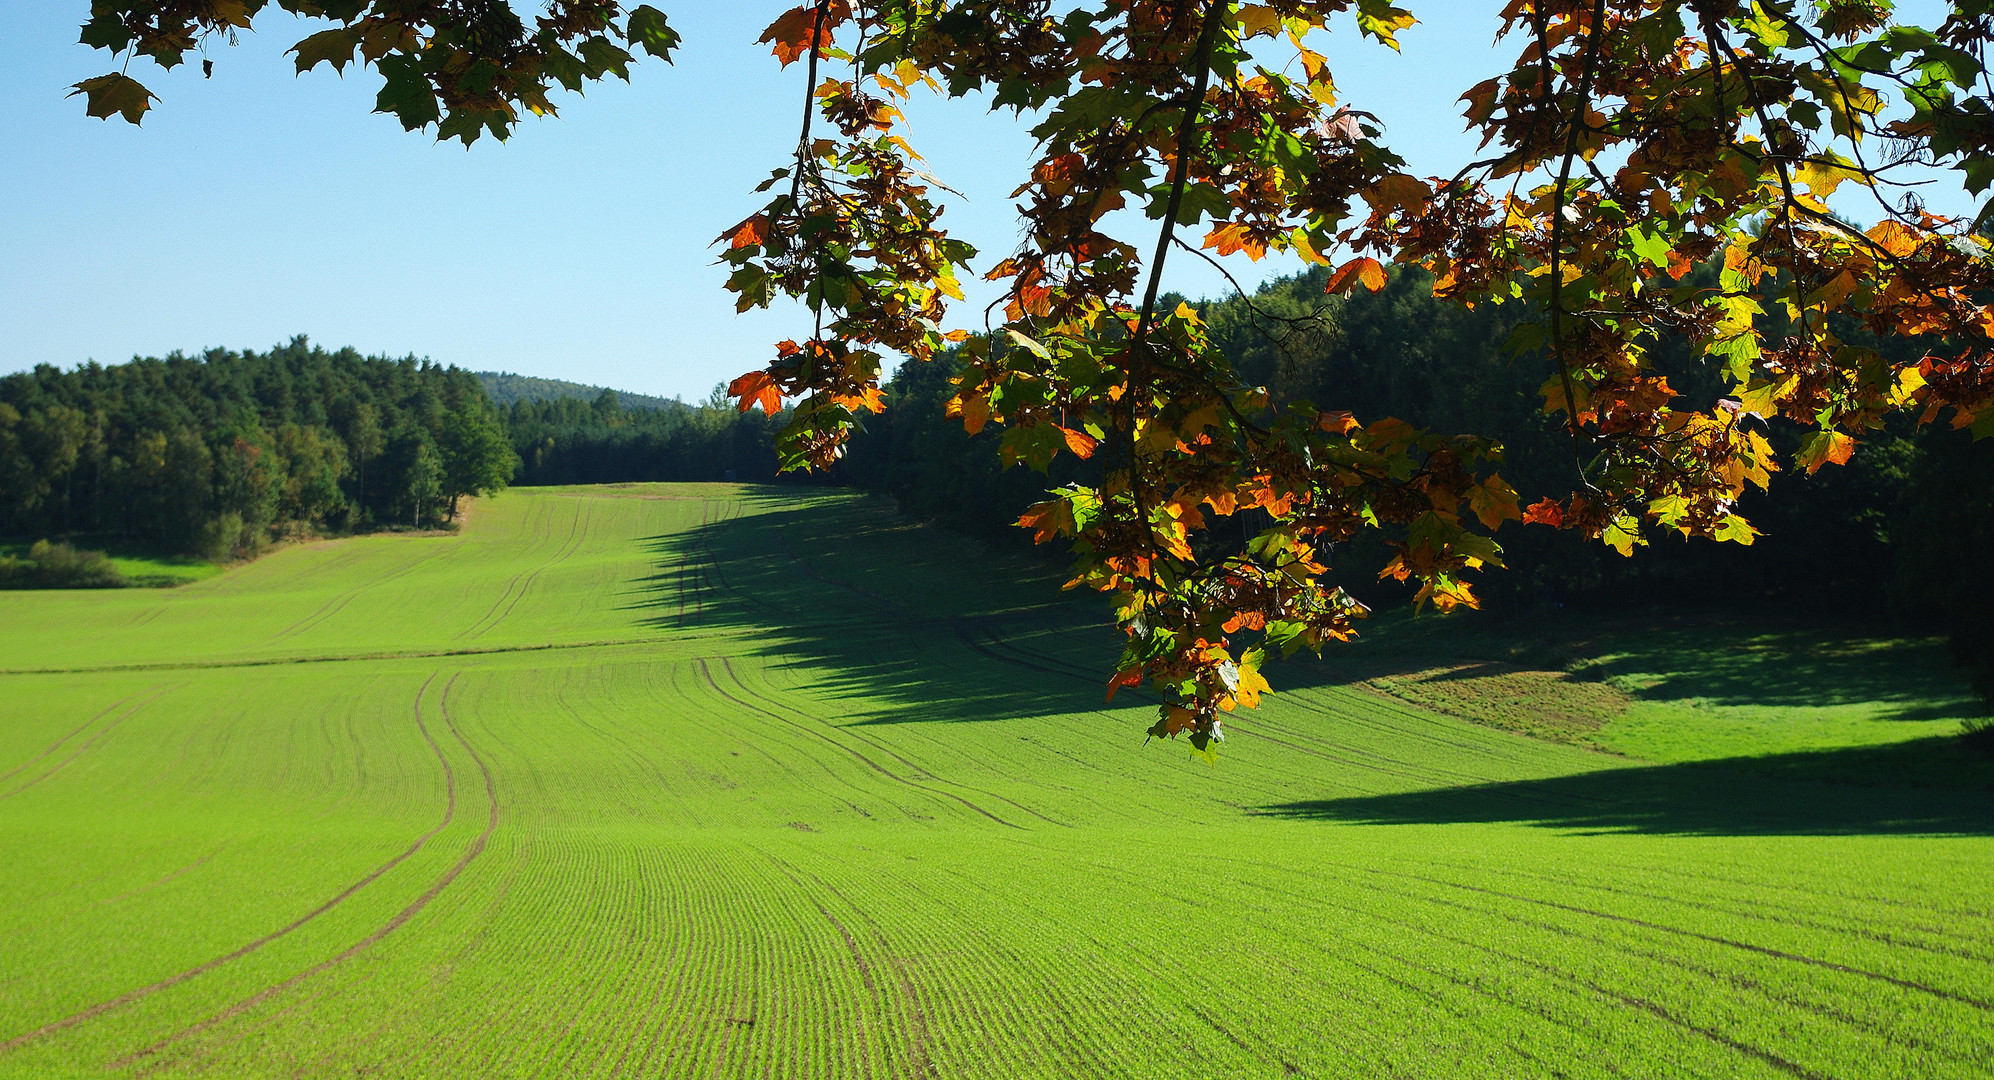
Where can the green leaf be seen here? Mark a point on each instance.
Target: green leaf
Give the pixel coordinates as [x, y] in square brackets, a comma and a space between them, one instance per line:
[1649, 246]
[106, 31]
[115, 93]
[1770, 32]
[1034, 446]
[1623, 534]
[604, 58]
[1030, 344]
[1379, 19]
[1736, 530]
[407, 93]
[1285, 635]
[1525, 338]
[1475, 545]
[563, 67]
[647, 29]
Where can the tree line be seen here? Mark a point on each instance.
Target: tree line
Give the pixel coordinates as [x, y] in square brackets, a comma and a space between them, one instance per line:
[1904, 526]
[217, 454]
[221, 453]
[568, 440]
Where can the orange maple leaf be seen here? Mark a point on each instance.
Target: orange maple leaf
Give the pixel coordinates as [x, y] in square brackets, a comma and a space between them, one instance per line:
[756, 387]
[1047, 520]
[749, 232]
[1232, 238]
[1545, 512]
[1368, 272]
[796, 31]
[1081, 443]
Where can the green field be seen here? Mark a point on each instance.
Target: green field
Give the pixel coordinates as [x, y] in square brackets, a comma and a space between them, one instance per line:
[718, 781]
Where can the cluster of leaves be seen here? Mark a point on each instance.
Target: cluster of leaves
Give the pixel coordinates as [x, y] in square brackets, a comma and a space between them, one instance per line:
[854, 235]
[1631, 141]
[1726, 128]
[466, 66]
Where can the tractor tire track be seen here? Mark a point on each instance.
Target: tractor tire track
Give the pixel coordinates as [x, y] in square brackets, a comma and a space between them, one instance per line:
[706, 671]
[577, 532]
[858, 961]
[1019, 657]
[1781, 917]
[919, 770]
[57, 745]
[94, 1011]
[1746, 946]
[471, 853]
[93, 740]
[338, 603]
[1472, 987]
[1556, 973]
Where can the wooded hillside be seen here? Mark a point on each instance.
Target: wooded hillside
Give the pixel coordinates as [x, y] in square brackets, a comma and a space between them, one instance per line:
[218, 453]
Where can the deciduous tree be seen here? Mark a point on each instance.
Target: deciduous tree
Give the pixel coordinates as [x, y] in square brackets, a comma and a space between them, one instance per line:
[1631, 141]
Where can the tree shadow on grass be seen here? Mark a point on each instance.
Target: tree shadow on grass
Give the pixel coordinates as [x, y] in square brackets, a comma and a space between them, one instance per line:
[1804, 666]
[866, 608]
[1712, 658]
[913, 625]
[1783, 794]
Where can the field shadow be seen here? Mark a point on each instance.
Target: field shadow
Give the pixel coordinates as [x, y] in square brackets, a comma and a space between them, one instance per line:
[1781, 794]
[1911, 678]
[886, 618]
[868, 609]
[1716, 660]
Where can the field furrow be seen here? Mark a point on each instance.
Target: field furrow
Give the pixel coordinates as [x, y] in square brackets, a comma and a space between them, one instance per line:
[713, 781]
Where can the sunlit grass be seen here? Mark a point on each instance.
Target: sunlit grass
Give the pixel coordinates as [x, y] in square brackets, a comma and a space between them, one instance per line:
[713, 780]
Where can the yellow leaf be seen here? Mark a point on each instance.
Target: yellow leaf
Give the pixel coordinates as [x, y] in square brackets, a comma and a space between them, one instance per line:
[1822, 178]
[1494, 502]
[1736, 530]
[1623, 534]
[1909, 381]
[1251, 685]
[1258, 19]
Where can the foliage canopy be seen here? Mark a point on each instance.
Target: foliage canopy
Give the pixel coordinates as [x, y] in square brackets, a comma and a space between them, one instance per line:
[1631, 141]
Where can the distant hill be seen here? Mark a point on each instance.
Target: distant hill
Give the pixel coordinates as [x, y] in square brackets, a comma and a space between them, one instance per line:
[505, 388]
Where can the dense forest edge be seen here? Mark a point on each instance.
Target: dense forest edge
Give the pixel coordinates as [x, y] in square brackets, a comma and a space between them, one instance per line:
[221, 454]
[506, 388]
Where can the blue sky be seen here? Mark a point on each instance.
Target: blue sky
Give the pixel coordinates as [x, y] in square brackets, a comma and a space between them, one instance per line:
[258, 205]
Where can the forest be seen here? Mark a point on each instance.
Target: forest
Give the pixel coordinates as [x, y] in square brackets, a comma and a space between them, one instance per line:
[220, 454]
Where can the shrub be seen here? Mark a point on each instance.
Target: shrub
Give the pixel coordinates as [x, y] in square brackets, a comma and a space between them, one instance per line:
[226, 538]
[57, 565]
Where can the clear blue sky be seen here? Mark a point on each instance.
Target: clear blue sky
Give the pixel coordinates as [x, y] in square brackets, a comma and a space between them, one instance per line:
[258, 205]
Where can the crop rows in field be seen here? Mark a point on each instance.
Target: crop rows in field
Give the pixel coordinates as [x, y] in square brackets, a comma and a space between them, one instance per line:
[708, 782]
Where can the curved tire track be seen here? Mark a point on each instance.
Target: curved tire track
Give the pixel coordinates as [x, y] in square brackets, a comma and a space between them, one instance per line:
[94, 1011]
[475, 849]
[706, 671]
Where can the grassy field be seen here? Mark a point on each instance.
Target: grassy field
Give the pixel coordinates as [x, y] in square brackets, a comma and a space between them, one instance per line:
[717, 781]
